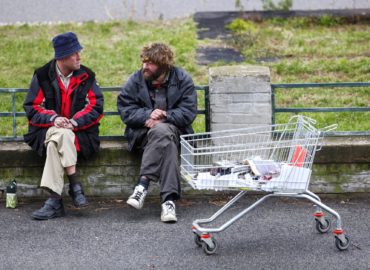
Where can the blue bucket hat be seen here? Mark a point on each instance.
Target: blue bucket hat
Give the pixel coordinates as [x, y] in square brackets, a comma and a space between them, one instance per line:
[65, 44]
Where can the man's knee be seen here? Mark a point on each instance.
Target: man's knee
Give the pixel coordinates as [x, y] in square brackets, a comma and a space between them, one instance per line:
[62, 134]
[160, 130]
[67, 133]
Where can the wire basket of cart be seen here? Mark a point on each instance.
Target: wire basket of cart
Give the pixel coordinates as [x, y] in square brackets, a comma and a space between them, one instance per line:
[276, 159]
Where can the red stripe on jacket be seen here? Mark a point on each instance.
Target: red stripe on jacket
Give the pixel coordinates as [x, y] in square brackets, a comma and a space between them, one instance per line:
[89, 125]
[36, 105]
[38, 101]
[40, 125]
[92, 102]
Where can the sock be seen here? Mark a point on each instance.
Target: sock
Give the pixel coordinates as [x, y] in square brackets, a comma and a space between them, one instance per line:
[73, 179]
[144, 181]
[170, 197]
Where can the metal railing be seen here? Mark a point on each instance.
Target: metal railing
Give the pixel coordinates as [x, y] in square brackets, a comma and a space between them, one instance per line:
[303, 86]
[206, 111]
[14, 113]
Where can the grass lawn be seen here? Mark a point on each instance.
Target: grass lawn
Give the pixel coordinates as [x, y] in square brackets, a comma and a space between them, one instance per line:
[302, 50]
[111, 49]
[308, 50]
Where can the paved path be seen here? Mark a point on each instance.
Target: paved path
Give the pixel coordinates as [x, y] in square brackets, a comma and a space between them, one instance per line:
[108, 235]
[31, 11]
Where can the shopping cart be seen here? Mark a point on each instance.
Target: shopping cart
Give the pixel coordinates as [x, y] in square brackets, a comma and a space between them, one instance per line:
[276, 159]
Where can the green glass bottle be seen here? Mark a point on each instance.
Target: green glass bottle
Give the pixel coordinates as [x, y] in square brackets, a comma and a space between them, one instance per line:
[11, 195]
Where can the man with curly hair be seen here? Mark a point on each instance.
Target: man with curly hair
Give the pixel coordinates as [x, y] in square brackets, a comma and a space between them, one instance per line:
[158, 103]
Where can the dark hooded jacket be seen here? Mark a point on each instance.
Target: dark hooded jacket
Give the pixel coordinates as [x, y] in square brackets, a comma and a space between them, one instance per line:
[135, 106]
[43, 104]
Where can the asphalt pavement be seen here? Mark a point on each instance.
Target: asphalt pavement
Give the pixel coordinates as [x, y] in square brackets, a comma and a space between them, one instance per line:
[280, 234]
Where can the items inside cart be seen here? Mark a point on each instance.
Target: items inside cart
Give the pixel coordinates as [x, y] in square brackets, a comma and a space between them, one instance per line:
[276, 159]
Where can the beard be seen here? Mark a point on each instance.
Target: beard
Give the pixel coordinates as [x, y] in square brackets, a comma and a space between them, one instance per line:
[150, 76]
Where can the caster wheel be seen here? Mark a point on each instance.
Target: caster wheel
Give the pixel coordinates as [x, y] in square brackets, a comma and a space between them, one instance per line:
[207, 249]
[342, 245]
[323, 228]
[197, 240]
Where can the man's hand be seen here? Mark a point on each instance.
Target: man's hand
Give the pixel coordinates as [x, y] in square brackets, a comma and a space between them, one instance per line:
[63, 122]
[69, 126]
[151, 123]
[158, 114]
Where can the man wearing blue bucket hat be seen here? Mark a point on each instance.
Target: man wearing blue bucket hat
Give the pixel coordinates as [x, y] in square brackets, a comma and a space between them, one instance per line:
[64, 106]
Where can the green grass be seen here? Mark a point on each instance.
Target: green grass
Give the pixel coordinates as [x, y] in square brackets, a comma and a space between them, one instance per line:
[305, 50]
[111, 49]
[313, 50]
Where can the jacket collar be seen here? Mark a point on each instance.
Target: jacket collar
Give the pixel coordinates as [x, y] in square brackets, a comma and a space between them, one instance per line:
[143, 93]
[79, 76]
[52, 72]
[77, 73]
[173, 93]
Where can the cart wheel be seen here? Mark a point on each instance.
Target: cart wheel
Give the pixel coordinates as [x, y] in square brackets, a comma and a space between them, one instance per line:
[323, 228]
[342, 245]
[207, 249]
[197, 240]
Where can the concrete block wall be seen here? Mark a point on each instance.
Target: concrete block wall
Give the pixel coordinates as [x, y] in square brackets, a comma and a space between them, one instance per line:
[342, 166]
[113, 172]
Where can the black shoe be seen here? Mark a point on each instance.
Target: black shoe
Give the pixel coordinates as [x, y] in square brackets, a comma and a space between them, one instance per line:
[77, 194]
[52, 208]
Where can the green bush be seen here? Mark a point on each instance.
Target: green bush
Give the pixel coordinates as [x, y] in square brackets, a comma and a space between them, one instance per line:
[245, 32]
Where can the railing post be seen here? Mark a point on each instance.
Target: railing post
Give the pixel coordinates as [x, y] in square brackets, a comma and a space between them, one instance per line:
[14, 111]
[273, 105]
[207, 109]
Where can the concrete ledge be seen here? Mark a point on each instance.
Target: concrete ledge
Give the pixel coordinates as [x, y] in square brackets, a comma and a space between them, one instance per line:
[342, 166]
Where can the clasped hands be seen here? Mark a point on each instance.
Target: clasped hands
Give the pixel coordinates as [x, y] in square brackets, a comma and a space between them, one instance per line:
[157, 116]
[63, 122]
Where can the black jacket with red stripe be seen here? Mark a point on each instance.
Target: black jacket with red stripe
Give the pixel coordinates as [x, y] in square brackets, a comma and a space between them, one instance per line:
[43, 104]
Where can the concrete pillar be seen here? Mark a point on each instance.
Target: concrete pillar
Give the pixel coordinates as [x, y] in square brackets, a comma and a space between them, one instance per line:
[240, 96]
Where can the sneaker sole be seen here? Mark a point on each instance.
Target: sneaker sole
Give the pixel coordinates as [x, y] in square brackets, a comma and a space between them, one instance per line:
[56, 215]
[169, 220]
[134, 205]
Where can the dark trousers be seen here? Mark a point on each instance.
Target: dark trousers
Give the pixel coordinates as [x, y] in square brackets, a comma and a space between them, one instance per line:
[160, 161]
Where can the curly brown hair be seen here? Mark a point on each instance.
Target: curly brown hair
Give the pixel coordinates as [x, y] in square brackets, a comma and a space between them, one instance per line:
[159, 54]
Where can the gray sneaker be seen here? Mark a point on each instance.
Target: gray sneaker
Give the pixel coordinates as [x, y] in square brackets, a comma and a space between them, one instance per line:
[168, 212]
[137, 198]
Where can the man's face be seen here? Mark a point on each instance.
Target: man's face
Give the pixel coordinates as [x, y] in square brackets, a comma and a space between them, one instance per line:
[151, 71]
[72, 62]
